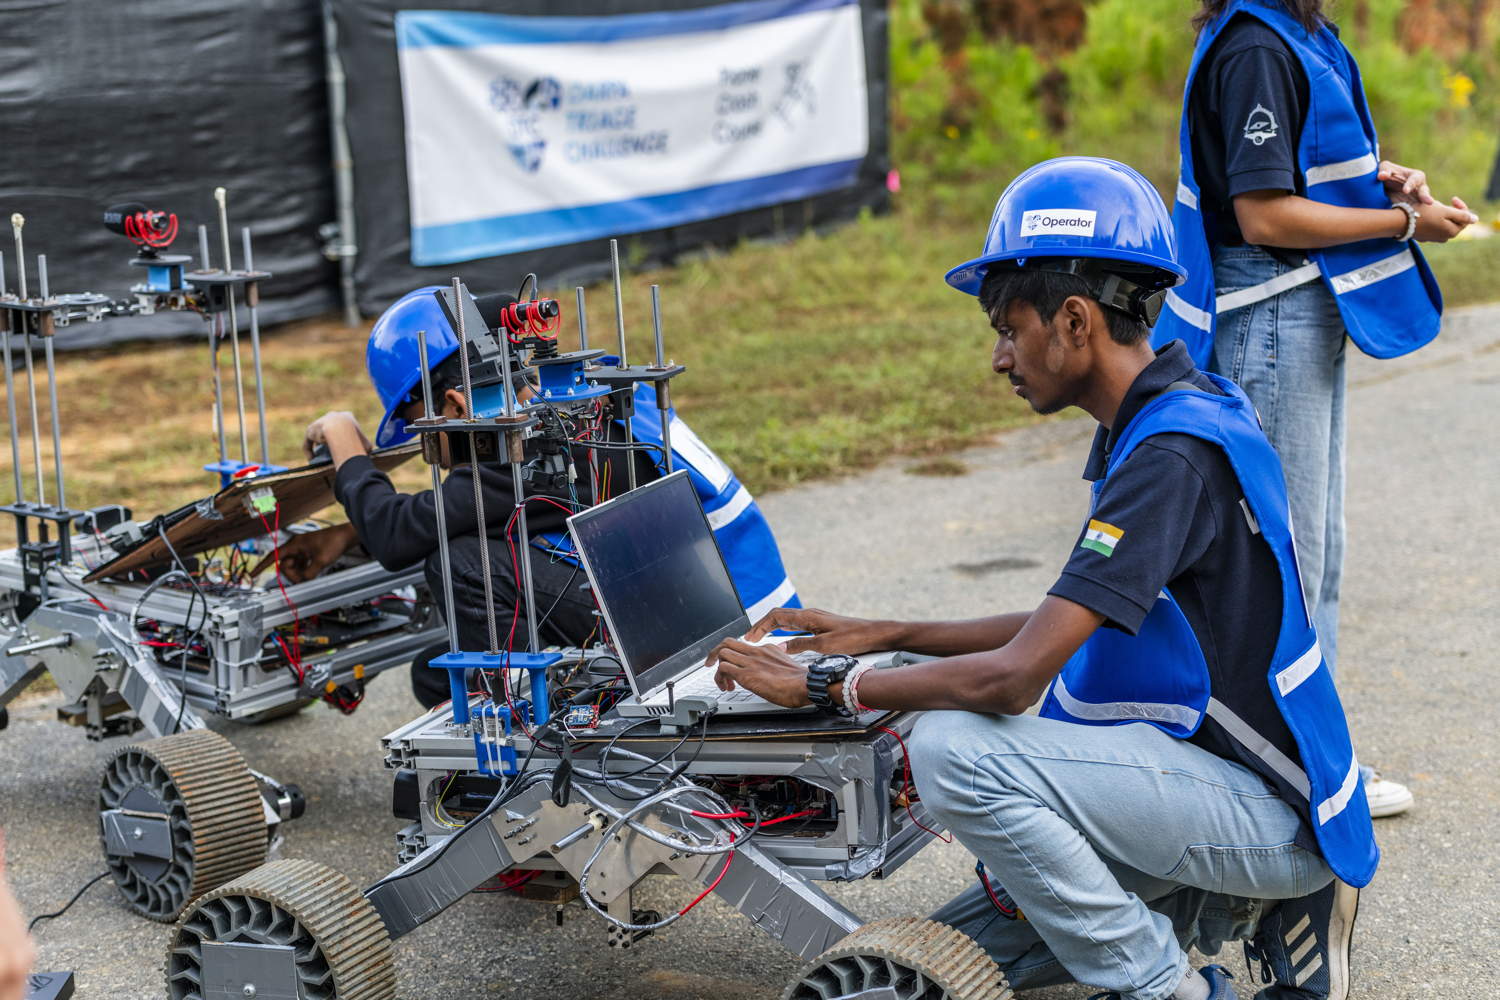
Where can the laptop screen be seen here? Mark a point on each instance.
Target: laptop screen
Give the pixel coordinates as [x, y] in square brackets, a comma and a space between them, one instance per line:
[659, 577]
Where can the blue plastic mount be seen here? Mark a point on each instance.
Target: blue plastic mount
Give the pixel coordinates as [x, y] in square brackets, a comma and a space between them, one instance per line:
[457, 664]
[536, 664]
[565, 383]
[493, 759]
[489, 400]
[164, 278]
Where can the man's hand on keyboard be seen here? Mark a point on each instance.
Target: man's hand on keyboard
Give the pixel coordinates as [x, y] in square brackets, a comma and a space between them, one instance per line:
[831, 633]
[767, 670]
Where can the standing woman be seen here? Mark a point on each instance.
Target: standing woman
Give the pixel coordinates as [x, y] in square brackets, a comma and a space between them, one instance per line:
[1297, 235]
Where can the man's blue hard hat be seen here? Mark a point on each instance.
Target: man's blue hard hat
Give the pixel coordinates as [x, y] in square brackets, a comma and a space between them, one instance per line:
[393, 361]
[1078, 207]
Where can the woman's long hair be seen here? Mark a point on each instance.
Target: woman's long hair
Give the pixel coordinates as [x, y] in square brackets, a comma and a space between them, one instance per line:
[1308, 12]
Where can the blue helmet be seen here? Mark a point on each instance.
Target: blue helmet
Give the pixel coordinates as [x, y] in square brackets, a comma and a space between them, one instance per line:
[1085, 215]
[393, 361]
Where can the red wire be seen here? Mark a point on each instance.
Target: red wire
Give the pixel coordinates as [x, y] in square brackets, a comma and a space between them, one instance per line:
[906, 788]
[296, 660]
[513, 880]
[515, 615]
[1007, 911]
[764, 823]
[296, 664]
[712, 886]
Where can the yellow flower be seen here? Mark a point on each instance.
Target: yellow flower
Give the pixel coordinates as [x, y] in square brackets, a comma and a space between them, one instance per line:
[951, 131]
[1460, 87]
[1033, 134]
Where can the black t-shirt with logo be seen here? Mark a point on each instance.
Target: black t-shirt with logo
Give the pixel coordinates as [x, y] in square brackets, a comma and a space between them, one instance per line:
[1173, 515]
[1245, 116]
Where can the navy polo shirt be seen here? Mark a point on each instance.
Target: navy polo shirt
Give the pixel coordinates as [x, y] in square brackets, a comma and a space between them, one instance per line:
[1245, 116]
[1172, 516]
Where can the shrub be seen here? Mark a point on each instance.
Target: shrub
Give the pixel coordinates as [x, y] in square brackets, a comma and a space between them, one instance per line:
[972, 107]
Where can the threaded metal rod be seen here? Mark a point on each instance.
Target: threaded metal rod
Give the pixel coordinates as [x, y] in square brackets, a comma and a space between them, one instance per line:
[437, 505]
[36, 423]
[518, 490]
[10, 402]
[480, 523]
[614, 266]
[663, 397]
[57, 459]
[17, 223]
[215, 332]
[234, 328]
[260, 380]
[583, 320]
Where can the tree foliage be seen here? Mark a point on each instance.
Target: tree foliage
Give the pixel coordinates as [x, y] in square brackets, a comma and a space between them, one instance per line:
[982, 88]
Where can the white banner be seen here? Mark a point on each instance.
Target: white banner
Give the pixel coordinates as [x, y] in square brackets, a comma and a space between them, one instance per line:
[527, 132]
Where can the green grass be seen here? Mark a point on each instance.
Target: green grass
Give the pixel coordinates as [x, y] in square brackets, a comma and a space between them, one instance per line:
[831, 353]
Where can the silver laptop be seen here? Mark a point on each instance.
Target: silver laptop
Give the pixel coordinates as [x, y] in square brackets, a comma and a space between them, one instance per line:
[666, 595]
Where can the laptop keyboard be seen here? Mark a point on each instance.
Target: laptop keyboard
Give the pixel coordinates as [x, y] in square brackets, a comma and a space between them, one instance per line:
[701, 682]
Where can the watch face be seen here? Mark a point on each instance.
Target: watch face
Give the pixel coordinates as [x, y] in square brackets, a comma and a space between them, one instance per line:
[831, 662]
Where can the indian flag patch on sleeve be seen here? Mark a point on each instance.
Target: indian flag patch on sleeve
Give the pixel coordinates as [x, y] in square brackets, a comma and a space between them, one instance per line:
[1101, 538]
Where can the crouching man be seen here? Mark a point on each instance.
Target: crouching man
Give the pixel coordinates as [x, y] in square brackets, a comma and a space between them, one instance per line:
[1190, 779]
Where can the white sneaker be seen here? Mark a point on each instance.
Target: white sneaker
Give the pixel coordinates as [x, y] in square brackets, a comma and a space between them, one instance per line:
[1386, 797]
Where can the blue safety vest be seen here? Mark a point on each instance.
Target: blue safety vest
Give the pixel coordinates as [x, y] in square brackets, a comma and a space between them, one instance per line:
[1389, 300]
[1160, 675]
[741, 530]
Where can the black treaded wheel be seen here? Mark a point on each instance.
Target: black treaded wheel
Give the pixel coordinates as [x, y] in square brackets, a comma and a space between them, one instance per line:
[198, 788]
[902, 959]
[330, 940]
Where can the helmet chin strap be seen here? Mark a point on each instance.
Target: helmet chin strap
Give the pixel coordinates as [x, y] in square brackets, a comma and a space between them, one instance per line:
[1110, 288]
[1132, 299]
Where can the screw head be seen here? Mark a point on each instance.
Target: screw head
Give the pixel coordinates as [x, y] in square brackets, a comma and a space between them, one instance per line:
[138, 833]
[249, 990]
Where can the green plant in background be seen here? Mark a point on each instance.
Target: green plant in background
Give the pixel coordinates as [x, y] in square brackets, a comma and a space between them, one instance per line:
[974, 108]
[1126, 81]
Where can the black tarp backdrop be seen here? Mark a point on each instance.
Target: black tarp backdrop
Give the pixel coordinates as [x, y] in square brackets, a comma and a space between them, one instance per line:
[161, 101]
[367, 46]
[104, 101]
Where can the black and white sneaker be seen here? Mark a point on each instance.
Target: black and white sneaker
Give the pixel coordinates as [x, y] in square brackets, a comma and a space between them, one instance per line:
[1302, 946]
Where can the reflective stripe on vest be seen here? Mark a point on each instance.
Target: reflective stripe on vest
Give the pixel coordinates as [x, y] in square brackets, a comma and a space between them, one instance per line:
[1125, 711]
[1161, 677]
[740, 529]
[1338, 150]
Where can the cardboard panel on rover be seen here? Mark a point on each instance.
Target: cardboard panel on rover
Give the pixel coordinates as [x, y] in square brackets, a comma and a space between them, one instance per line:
[226, 517]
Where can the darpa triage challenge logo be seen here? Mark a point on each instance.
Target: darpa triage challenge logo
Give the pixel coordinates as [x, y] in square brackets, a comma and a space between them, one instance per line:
[587, 120]
[522, 106]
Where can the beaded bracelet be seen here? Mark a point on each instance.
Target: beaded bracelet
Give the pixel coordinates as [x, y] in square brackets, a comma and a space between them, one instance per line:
[851, 689]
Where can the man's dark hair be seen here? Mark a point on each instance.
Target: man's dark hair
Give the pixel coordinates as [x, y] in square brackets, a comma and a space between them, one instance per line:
[1309, 13]
[1045, 291]
[446, 375]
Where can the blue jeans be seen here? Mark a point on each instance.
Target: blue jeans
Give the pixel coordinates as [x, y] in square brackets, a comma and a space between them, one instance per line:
[1287, 353]
[1121, 845]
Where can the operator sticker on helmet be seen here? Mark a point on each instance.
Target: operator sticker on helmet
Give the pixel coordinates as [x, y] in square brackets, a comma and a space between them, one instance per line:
[1089, 216]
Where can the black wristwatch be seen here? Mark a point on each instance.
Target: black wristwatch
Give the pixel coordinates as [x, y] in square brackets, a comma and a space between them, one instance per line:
[827, 670]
